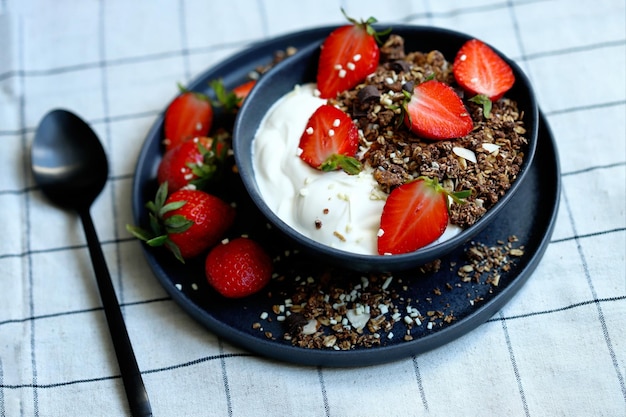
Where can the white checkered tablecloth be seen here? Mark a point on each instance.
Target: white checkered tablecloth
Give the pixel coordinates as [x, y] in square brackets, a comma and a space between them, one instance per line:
[557, 349]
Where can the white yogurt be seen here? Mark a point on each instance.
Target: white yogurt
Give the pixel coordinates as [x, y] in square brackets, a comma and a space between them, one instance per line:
[333, 208]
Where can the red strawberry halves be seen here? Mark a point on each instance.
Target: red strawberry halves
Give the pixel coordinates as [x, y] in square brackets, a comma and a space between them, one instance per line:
[188, 222]
[435, 111]
[330, 141]
[415, 215]
[238, 268]
[479, 70]
[188, 116]
[349, 54]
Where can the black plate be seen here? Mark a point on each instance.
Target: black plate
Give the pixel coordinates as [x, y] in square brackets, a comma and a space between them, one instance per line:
[530, 215]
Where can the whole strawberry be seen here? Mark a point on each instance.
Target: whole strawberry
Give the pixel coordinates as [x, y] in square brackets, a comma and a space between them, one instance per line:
[415, 215]
[189, 115]
[188, 222]
[197, 161]
[349, 54]
[238, 268]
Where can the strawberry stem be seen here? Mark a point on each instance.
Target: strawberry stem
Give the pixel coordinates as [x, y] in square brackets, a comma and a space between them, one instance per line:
[367, 25]
[226, 99]
[350, 165]
[458, 197]
[160, 228]
[182, 90]
[213, 162]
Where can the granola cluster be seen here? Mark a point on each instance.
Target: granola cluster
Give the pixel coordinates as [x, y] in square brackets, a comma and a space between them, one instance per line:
[486, 161]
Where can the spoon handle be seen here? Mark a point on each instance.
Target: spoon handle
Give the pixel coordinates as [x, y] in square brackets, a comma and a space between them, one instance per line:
[133, 383]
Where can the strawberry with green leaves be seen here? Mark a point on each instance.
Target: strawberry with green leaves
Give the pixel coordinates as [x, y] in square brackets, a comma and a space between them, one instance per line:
[479, 70]
[188, 222]
[330, 141]
[433, 110]
[189, 115]
[349, 54]
[415, 215]
[238, 268]
[230, 100]
[198, 161]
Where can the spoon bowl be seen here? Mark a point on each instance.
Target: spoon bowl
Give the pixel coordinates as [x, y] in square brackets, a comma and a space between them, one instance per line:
[70, 167]
[69, 162]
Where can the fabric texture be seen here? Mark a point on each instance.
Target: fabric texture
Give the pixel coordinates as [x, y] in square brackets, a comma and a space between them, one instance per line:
[556, 349]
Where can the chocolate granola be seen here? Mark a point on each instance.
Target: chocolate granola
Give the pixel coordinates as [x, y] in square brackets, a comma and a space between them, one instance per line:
[486, 161]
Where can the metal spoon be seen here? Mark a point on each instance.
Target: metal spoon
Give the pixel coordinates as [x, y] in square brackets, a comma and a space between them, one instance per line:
[70, 167]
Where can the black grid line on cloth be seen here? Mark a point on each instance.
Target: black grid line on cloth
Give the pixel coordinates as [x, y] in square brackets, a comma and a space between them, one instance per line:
[518, 378]
[65, 248]
[81, 311]
[420, 385]
[468, 10]
[589, 279]
[586, 107]
[587, 235]
[262, 13]
[122, 61]
[108, 139]
[27, 225]
[3, 411]
[558, 310]
[229, 400]
[184, 50]
[322, 383]
[114, 377]
[594, 168]
[522, 60]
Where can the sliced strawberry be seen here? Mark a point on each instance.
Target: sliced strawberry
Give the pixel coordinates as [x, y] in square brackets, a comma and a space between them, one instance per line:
[435, 111]
[188, 116]
[242, 91]
[330, 141]
[478, 69]
[349, 54]
[188, 222]
[415, 214]
[198, 161]
[238, 268]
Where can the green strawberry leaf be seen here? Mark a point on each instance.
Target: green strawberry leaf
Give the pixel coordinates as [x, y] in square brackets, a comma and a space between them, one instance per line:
[175, 205]
[484, 101]
[177, 224]
[349, 164]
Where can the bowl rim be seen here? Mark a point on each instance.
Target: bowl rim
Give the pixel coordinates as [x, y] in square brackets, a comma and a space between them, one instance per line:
[367, 262]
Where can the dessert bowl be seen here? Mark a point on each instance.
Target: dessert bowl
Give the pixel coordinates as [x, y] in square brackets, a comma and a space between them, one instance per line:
[300, 70]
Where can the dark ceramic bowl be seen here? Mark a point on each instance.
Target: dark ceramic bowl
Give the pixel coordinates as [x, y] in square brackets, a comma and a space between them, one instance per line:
[301, 69]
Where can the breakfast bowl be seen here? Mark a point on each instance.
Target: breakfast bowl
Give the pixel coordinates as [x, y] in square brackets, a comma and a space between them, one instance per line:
[300, 206]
